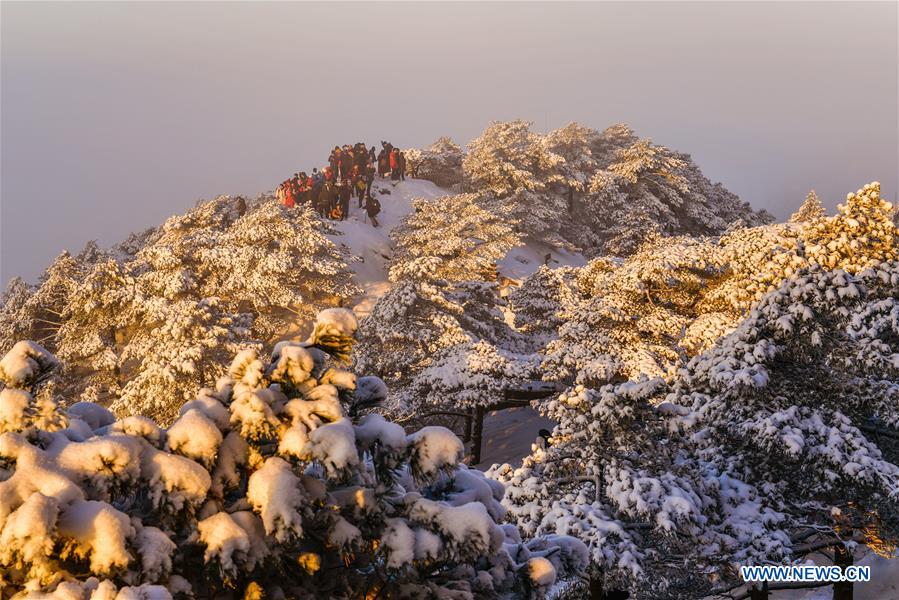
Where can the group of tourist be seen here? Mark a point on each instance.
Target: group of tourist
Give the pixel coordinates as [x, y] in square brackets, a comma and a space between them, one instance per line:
[350, 172]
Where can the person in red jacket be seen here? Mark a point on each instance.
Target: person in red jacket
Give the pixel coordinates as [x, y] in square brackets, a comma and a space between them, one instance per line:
[395, 164]
[304, 189]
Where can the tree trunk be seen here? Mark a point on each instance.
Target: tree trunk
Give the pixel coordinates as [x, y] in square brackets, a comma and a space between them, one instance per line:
[759, 593]
[842, 590]
[477, 437]
[596, 590]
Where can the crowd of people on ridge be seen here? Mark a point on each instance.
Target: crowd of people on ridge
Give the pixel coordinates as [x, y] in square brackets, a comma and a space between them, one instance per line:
[350, 172]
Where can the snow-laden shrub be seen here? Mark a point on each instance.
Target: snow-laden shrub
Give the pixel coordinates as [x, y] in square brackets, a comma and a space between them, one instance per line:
[263, 483]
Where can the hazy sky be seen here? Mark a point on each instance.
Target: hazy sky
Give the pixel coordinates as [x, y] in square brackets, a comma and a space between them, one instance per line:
[116, 115]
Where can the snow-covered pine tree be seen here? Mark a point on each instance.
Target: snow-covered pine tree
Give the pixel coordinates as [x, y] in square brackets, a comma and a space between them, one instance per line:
[658, 524]
[676, 296]
[860, 234]
[37, 313]
[470, 374]
[101, 312]
[538, 302]
[409, 323]
[794, 401]
[426, 326]
[573, 143]
[15, 323]
[515, 171]
[777, 441]
[440, 163]
[467, 239]
[810, 210]
[648, 187]
[262, 485]
[631, 317]
[147, 323]
[180, 346]
[605, 147]
[280, 262]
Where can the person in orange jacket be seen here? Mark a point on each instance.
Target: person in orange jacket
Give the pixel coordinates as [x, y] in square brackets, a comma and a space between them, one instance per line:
[289, 193]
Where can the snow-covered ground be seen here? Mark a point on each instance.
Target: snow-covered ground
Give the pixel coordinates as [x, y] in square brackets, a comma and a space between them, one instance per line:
[372, 244]
[524, 260]
[508, 435]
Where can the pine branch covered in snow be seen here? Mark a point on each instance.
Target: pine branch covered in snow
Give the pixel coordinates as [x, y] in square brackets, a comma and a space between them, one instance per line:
[468, 239]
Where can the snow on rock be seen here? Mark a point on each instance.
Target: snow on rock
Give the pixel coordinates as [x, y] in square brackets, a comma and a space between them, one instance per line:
[91, 413]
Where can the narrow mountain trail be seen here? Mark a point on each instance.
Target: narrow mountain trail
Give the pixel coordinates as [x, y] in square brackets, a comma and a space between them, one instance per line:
[508, 434]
